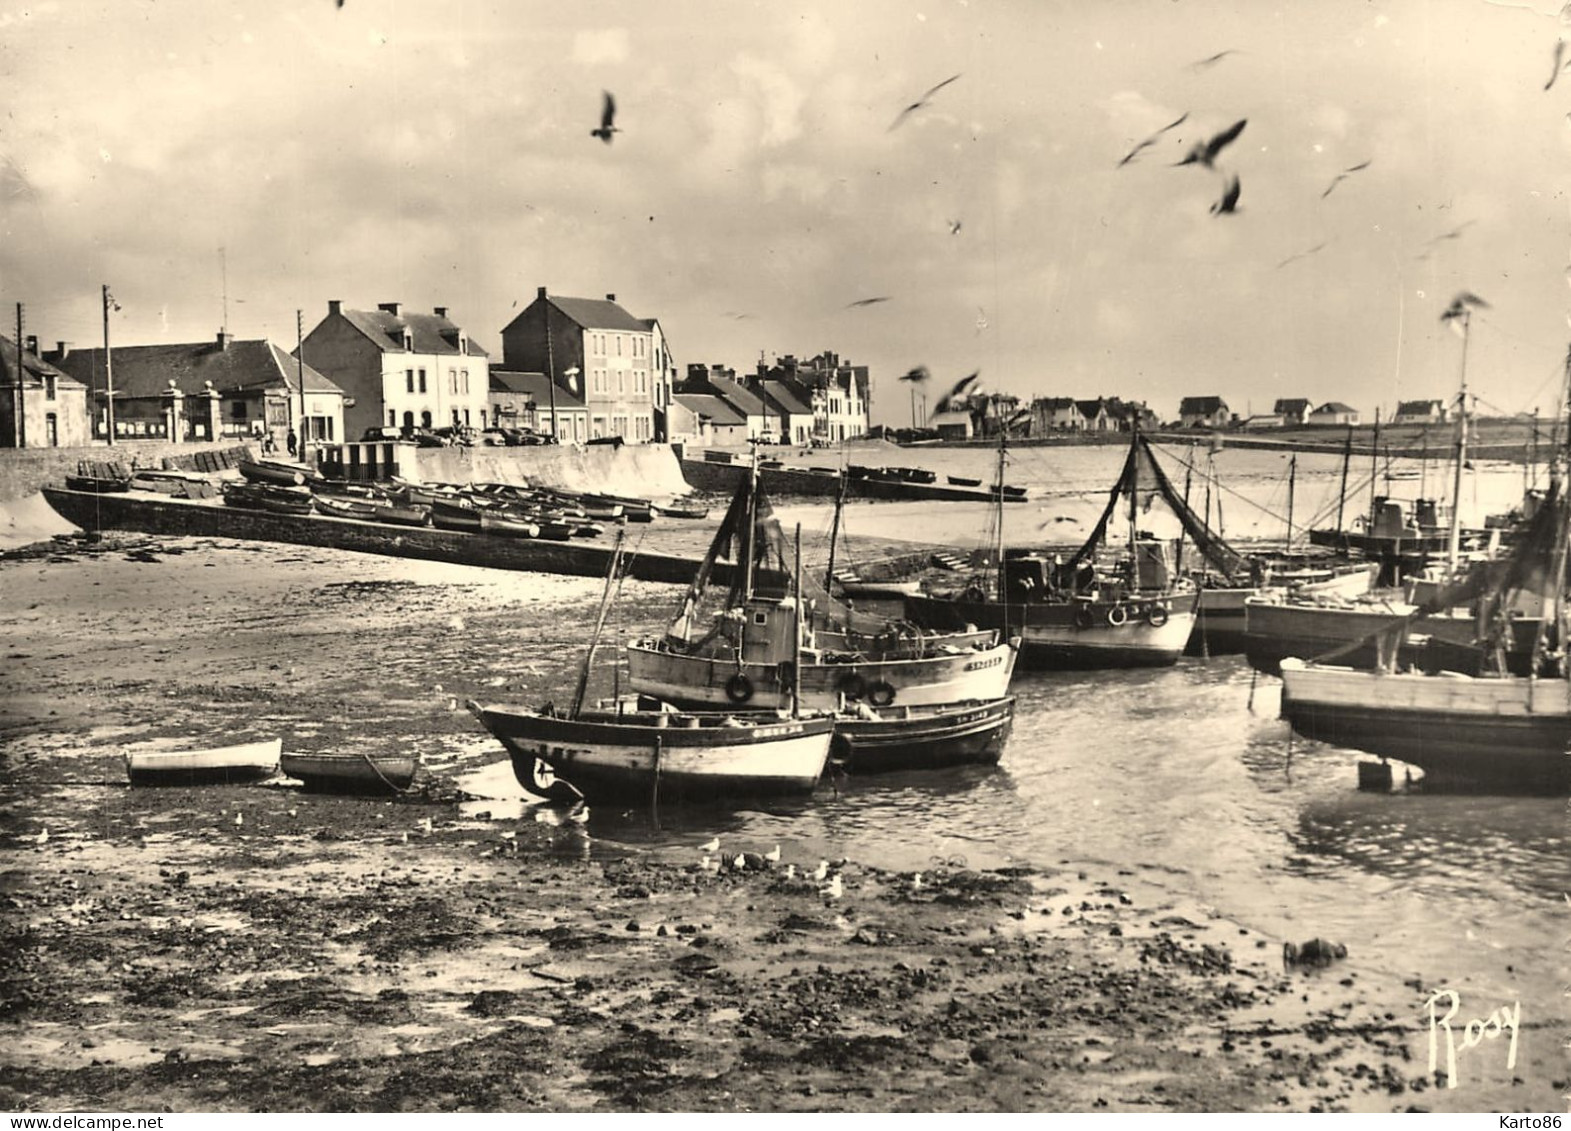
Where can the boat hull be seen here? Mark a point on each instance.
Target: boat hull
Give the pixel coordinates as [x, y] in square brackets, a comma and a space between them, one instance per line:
[225, 765]
[1511, 732]
[710, 681]
[350, 773]
[1073, 636]
[925, 739]
[685, 758]
[1221, 626]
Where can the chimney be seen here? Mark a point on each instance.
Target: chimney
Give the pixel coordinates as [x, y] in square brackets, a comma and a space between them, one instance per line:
[63, 349]
[335, 306]
[440, 311]
[393, 308]
[224, 338]
[540, 292]
[32, 344]
[610, 298]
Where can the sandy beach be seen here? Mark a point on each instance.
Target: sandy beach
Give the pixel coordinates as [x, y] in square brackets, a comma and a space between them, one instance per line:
[259, 948]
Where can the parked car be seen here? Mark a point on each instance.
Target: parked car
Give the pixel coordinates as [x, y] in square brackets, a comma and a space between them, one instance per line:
[382, 434]
[461, 435]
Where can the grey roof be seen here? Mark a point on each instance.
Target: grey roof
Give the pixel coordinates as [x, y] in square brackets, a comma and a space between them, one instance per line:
[705, 404]
[738, 397]
[1331, 407]
[1056, 404]
[536, 387]
[145, 371]
[1412, 408]
[597, 314]
[429, 333]
[1204, 405]
[33, 365]
[1292, 404]
[780, 393]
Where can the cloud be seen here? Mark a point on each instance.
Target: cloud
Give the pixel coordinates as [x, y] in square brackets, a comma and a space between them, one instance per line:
[610, 45]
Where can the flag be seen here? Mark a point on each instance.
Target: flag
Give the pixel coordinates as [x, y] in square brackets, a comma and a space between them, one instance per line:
[961, 388]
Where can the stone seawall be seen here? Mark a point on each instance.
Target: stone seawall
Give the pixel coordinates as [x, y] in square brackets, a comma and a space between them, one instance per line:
[641, 470]
[23, 471]
[163, 515]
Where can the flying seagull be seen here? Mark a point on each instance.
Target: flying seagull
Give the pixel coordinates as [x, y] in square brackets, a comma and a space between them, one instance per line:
[960, 388]
[954, 227]
[1462, 305]
[921, 102]
[1302, 254]
[1130, 156]
[918, 375]
[1205, 152]
[867, 301]
[1560, 53]
[1229, 202]
[1211, 60]
[607, 116]
[1344, 174]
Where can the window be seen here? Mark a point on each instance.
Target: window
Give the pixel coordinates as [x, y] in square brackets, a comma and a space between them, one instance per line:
[455, 417]
[463, 378]
[466, 417]
[422, 380]
[452, 382]
[49, 389]
[237, 410]
[425, 419]
[619, 345]
[409, 377]
[52, 427]
[392, 419]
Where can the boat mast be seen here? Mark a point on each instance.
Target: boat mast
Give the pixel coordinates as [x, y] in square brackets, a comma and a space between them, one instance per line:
[834, 531]
[1134, 509]
[796, 651]
[752, 522]
[1557, 580]
[1341, 495]
[1374, 469]
[1454, 541]
[594, 637]
[1292, 483]
[998, 517]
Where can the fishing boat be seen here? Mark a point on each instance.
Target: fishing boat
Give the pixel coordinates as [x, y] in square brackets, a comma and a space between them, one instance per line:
[635, 755]
[871, 741]
[507, 525]
[1496, 730]
[219, 765]
[271, 471]
[660, 753]
[347, 506]
[963, 481]
[100, 477]
[762, 647]
[450, 514]
[1075, 614]
[351, 773]
[676, 510]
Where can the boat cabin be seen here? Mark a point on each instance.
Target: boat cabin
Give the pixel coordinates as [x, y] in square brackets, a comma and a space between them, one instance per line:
[1033, 576]
[1406, 518]
[769, 631]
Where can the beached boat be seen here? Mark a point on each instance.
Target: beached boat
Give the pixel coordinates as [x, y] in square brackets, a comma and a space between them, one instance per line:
[271, 471]
[637, 756]
[922, 738]
[447, 514]
[347, 506]
[741, 650]
[351, 773]
[219, 765]
[1073, 615]
[674, 510]
[963, 481]
[508, 526]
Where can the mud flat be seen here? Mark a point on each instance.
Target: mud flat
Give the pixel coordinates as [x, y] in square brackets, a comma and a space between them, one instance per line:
[242, 948]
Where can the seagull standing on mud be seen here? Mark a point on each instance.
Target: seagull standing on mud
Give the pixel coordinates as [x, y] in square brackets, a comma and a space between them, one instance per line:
[607, 117]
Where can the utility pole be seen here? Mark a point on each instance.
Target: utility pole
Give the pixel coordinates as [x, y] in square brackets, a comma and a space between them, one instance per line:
[550, 364]
[300, 373]
[21, 391]
[109, 368]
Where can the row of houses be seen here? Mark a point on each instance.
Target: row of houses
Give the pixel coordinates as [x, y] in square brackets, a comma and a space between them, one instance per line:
[578, 369]
[1297, 412]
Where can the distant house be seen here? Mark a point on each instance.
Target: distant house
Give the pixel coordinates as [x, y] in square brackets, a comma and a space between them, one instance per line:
[1094, 416]
[53, 404]
[1332, 413]
[714, 421]
[1203, 412]
[1055, 414]
[720, 381]
[1128, 415]
[952, 425]
[402, 369]
[1421, 412]
[207, 391]
[1262, 422]
[1292, 410]
[526, 400]
[793, 415]
[839, 393]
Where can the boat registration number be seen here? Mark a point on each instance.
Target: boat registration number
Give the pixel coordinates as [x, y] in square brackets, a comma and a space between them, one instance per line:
[980, 665]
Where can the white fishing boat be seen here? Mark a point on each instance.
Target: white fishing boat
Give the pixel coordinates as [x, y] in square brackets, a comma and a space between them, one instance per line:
[218, 765]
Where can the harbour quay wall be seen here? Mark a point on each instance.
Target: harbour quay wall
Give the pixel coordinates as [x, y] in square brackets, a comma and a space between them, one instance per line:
[200, 518]
[24, 470]
[640, 470]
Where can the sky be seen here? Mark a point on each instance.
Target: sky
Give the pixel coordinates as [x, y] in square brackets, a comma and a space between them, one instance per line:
[229, 162]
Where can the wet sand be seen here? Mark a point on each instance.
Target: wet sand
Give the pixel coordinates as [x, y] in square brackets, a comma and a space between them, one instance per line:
[258, 948]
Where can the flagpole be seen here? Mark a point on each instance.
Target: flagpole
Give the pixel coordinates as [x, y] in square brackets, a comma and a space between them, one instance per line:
[109, 371]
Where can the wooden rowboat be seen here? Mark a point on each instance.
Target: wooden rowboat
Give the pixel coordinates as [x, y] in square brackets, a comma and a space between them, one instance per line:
[219, 765]
[923, 738]
[352, 773]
